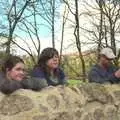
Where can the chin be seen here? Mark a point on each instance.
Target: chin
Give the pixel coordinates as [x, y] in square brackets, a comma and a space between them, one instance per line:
[55, 67]
[19, 79]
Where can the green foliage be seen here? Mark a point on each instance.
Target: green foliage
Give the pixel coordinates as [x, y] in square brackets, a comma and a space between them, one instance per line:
[28, 63]
[72, 65]
[3, 56]
[73, 82]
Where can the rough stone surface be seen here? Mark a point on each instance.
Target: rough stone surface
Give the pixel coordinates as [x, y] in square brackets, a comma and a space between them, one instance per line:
[14, 104]
[83, 102]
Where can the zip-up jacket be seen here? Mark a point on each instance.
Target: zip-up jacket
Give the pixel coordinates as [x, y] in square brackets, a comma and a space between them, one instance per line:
[99, 75]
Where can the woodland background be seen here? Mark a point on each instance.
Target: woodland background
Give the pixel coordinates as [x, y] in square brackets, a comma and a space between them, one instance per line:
[83, 26]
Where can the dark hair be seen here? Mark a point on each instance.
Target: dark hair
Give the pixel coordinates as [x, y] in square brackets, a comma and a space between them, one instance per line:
[45, 55]
[10, 62]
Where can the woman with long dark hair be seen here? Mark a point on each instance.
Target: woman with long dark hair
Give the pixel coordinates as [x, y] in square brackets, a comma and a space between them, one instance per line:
[48, 69]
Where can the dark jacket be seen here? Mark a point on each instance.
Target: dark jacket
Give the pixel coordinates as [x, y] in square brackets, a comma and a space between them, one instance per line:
[33, 83]
[9, 86]
[37, 72]
[99, 75]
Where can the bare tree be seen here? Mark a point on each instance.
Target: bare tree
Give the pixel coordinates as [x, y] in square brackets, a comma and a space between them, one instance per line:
[27, 25]
[77, 34]
[14, 14]
[53, 20]
[111, 11]
[107, 25]
[100, 3]
[49, 14]
[64, 18]
[31, 28]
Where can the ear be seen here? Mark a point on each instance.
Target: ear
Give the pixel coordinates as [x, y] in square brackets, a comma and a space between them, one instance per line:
[7, 70]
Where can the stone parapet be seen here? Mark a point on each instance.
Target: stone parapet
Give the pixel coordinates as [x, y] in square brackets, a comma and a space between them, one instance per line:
[83, 102]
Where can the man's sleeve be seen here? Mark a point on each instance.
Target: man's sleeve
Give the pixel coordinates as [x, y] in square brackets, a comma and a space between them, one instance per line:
[94, 76]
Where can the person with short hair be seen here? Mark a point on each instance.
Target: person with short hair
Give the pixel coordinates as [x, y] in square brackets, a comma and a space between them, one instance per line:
[104, 71]
[48, 68]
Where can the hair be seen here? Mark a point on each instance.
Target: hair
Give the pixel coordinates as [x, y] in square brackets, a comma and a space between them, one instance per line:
[45, 55]
[10, 62]
[100, 55]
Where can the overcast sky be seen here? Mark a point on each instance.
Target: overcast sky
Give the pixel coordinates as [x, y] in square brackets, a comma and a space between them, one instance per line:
[69, 39]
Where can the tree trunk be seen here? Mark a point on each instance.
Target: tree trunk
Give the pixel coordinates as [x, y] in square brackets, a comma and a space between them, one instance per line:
[78, 43]
[53, 19]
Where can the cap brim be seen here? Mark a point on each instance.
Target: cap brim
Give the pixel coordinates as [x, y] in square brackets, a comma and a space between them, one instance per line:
[111, 56]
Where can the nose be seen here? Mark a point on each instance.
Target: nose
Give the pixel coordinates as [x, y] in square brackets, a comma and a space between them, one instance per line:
[22, 71]
[55, 59]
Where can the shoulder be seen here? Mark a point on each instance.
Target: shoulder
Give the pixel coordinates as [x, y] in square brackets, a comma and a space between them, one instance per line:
[37, 72]
[60, 71]
[2, 75]
[94, 69]
[2, 78]
[112, 67]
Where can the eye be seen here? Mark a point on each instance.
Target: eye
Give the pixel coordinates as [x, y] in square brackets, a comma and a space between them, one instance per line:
[56, 56]
[20, 69]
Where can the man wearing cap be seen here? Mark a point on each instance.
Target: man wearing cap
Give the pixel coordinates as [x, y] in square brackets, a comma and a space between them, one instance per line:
[104, 71]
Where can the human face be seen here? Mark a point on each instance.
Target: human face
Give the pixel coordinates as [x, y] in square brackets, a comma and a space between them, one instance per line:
[17, 72]
[53, 62]
[105, 61]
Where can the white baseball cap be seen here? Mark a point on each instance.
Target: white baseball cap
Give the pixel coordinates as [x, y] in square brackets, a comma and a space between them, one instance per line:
[108, 53]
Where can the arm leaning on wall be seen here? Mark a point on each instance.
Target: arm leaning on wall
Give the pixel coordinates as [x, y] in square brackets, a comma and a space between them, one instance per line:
[94, 76]
[9, 86]
[34, 83]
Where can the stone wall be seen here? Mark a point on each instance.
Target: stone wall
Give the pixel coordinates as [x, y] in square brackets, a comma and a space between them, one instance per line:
[85, 102]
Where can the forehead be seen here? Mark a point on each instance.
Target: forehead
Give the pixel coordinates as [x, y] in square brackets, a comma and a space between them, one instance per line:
[56, 55]
[105, 58]
[20, 64]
